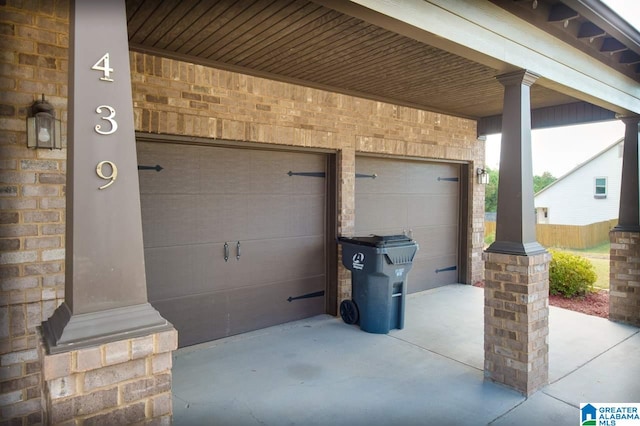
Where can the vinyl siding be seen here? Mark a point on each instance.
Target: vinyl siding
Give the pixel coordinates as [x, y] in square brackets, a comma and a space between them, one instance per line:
[571, 201]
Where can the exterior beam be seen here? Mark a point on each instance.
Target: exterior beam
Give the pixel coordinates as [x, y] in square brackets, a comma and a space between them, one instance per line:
[515, 224]
[552, 116]
[485, 33]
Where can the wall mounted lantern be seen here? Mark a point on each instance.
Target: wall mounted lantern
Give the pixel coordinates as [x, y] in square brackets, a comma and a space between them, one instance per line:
[483, 176]
[43, 128]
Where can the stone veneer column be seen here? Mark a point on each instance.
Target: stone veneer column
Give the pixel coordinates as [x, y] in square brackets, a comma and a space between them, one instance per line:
[624, 275]
[516, 320]
[516, 347]
[346, 215]
[117, 383]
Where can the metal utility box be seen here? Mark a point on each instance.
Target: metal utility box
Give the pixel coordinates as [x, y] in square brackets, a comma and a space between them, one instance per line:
[379, 266]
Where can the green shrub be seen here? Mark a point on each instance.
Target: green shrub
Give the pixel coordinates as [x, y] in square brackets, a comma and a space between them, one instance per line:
[489, 239]
[570, 275]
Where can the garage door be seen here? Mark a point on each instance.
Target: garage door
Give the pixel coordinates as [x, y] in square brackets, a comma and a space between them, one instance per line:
[419, 198]
[233, 241]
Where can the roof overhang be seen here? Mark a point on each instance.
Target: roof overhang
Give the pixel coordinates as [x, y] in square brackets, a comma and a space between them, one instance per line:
[437, 55]
[490, 35]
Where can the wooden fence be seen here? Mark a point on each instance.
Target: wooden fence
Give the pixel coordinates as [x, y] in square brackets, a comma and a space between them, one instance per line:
[567, 236]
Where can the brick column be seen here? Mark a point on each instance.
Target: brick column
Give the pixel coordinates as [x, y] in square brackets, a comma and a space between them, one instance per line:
[475, 272]
[516, 346]
[346, 214]
[624, 295]
[624, 276]
[122, 382]
[516, 320]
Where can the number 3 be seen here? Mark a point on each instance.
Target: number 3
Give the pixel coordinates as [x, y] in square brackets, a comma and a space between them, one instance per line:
[112, 177]
[114, 124]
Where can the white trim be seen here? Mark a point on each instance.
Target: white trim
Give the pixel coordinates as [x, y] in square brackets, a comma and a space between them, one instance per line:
[490, 35]
[596, 186]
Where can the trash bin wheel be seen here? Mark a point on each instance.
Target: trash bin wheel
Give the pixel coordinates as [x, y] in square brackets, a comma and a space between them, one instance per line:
[349, 312]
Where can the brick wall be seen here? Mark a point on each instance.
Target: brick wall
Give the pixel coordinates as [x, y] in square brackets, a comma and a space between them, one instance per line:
[33, 61]
[178, 98]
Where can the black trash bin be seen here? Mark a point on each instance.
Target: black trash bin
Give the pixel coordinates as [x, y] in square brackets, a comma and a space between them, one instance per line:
[379, 267]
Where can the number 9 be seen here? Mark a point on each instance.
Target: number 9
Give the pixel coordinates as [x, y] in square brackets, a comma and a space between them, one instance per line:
[112, 177]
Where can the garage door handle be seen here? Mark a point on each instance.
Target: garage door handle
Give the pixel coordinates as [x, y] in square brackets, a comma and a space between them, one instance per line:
[226, 252]
[238, 253]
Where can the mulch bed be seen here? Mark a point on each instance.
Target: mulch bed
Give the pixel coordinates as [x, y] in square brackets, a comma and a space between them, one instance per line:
[596, 304]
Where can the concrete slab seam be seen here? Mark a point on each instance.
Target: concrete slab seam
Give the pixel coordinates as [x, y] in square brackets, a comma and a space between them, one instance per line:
[595, 357]
[560, 400]
[508, 411]
[436, 353]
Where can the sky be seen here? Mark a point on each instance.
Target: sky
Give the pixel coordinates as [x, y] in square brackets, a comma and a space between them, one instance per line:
[628, 9]
[560, 149]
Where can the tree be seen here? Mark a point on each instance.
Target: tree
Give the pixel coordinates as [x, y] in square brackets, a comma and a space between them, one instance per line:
[541, 182]
[491, 191]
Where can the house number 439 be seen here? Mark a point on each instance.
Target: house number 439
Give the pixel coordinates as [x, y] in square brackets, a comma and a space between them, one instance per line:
[103, 65]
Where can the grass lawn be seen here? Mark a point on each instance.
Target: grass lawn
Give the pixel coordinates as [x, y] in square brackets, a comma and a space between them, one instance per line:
[602, 271]
[603, 248]
[599, 257]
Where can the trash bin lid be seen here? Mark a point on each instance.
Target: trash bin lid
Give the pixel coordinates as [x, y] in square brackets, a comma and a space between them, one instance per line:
[378, 240]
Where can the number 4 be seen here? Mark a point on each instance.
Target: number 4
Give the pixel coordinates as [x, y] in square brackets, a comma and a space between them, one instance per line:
[104, 67]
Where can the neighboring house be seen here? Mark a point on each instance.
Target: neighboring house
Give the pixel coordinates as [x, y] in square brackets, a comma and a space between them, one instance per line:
[588, 194]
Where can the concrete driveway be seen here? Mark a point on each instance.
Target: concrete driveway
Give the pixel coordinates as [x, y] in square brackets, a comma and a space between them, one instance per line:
[321, 371]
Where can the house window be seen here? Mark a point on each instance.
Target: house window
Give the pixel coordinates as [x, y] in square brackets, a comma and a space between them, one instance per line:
[600, 189]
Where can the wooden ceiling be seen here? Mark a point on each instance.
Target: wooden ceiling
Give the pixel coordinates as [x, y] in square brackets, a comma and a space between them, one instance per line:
[302, 42]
